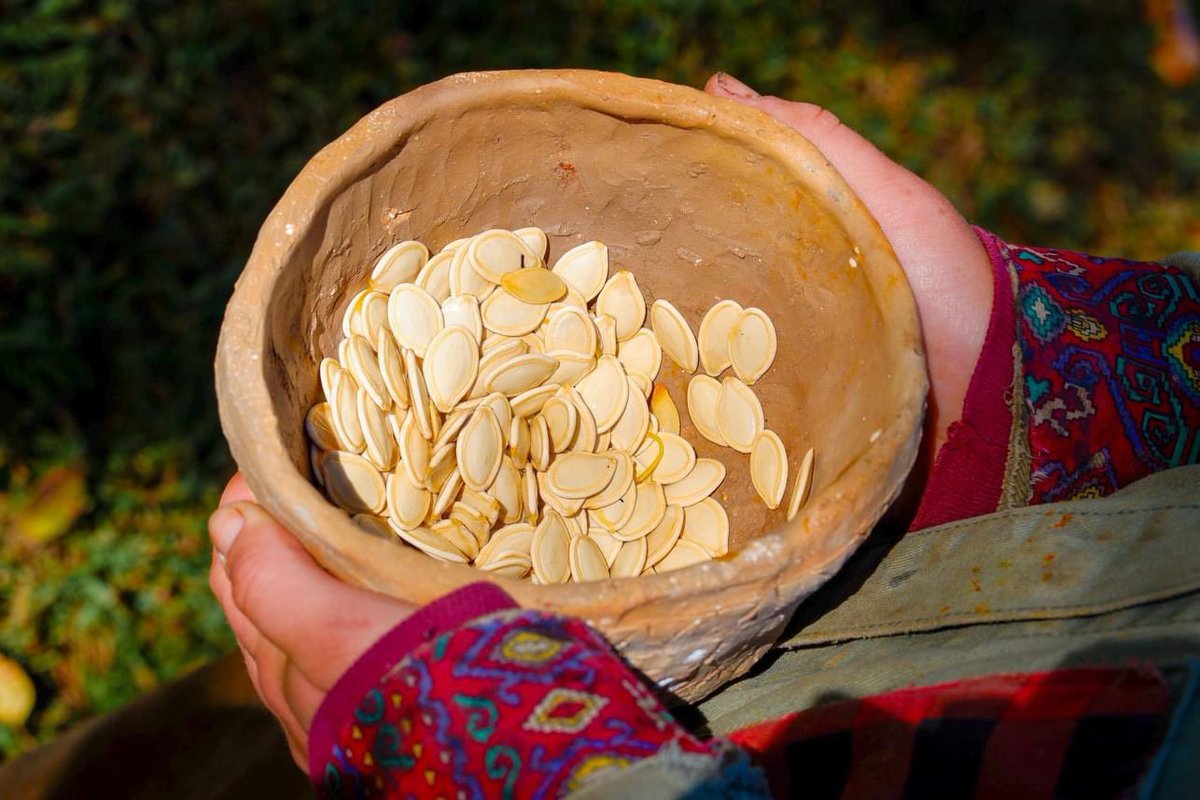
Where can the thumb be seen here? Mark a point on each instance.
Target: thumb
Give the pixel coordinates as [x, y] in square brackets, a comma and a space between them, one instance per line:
[320, 623]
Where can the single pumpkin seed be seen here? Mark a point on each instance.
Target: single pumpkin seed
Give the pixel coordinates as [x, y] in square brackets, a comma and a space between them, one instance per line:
[584, 267]
[463, 311]
[606, 334]
[550, 550]
[518, 439]
[504, 312]
[401, 263]
[587, 561]
[353, 483]
[407, 503]
[674, 335]
[698, 484]
[419, 404]
[532, 401]
[465, 279]
[572, 366]
[571, 328]
[343, 412]
[448, 493]
[450, 367]
[458, 533]
[520, 373]
[414, 450]
[391, 368]
[683, 554]
[540, 448]
[622, 299]
[641, 354]
[374, 524]
[802, 486]
[649, 507]
[561, 420]
[605, 391]
[534, 285]
[506, 488]
[610, 546]
[434, 277]
[713, 341]
[581, 475]
[479, 449]
[630, 429]
[752, 345]
[380, 447]
[414, 317]
[703, 394]
[318, 424]
[648, 457]
[622, 479]
[535, 239]
[496, 253]
[739, 414]
[769, 467]
[678, 458]
[664, 410]
[664, 536]
[706, 524]
[370, 314]
[363, 364]
[529, 499]
[630, 560]
[431, 544]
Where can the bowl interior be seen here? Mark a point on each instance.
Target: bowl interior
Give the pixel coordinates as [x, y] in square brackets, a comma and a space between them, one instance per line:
[698, 213]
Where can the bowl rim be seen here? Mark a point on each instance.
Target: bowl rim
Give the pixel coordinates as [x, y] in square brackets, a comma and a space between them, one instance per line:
[801, 554]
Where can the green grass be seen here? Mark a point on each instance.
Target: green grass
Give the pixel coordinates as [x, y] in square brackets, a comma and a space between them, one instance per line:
[145, 143]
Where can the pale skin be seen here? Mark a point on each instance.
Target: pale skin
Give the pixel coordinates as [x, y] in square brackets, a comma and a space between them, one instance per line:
[300, 628]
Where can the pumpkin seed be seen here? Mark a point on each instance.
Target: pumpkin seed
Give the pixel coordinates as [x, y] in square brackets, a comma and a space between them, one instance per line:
[518, 440]
[451, 427]
[752, 345]
[498, 350]
[769, 467]
[698, 484]
[380, 446]
[587, 561]
[605, 391]
[571, 328]
[408, 503]
[368, 316]
[374, 524]
[622, 479]
[504, 312]
[465, 279]
[391, 368]
[520, 374]
[514, 538]
[641, 383]
[739, 414]
[606, 333]
[457, 532]
[326, 370]
[674, 334]
[532, 401]
[630, 560]
[664, 536]
[641, 354]
[572, 366]
[343, 412]
[450, 367]
[703, 395]
[585, 431]
[534, 285]
[683, 554]
[484, 504]
[630, 430]
[353, 483]
[399, 264]
[610, 546]
[616, 515]
[441, 461]
[622, 299]
[463, 311]
[318, 424]
[414, 317]
[534, 239]
[713, 341]
[584, 267]
[648, 457]
[364, 366]
[434, 277]
[540, 451]
[561, 420]
[803, 484]
[581, 475]
[447, 494]
[453, 246]
[706, 524]
[495, 253]
[529, 485]
[432, 544]
[506, 488]
[649, 507]
[418, 398]
[414, 450]
[678, 459]
[479, 449]
[550, 550]
[664, 410]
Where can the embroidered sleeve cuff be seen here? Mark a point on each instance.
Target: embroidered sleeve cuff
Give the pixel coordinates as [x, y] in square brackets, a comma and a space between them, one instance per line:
[968, 474]
[442, 615]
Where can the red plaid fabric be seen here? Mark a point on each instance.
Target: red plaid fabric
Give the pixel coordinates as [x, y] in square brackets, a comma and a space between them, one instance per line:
[1069, 733]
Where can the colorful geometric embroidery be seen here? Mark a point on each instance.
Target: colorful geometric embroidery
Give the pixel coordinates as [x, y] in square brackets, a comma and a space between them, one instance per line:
[565, 711]
[514, 704]
[1111, 361]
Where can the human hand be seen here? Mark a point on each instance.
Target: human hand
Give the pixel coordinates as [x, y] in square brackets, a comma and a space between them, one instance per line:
[298, 627]
[946, 265]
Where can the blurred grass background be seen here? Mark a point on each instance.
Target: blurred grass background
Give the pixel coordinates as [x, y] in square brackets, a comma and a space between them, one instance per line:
[143, 144]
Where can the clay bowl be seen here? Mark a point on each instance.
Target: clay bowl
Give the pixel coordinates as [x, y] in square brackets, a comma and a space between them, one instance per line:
[703, 199]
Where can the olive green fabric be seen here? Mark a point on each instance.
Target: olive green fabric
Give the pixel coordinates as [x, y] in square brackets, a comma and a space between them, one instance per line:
[1098, 581]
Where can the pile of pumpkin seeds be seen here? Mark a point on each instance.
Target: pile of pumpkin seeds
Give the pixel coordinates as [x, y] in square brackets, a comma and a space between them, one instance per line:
[489, 410]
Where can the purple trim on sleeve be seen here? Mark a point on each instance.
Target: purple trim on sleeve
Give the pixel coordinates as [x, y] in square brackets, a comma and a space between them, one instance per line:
[968, 474]
[444, 614]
